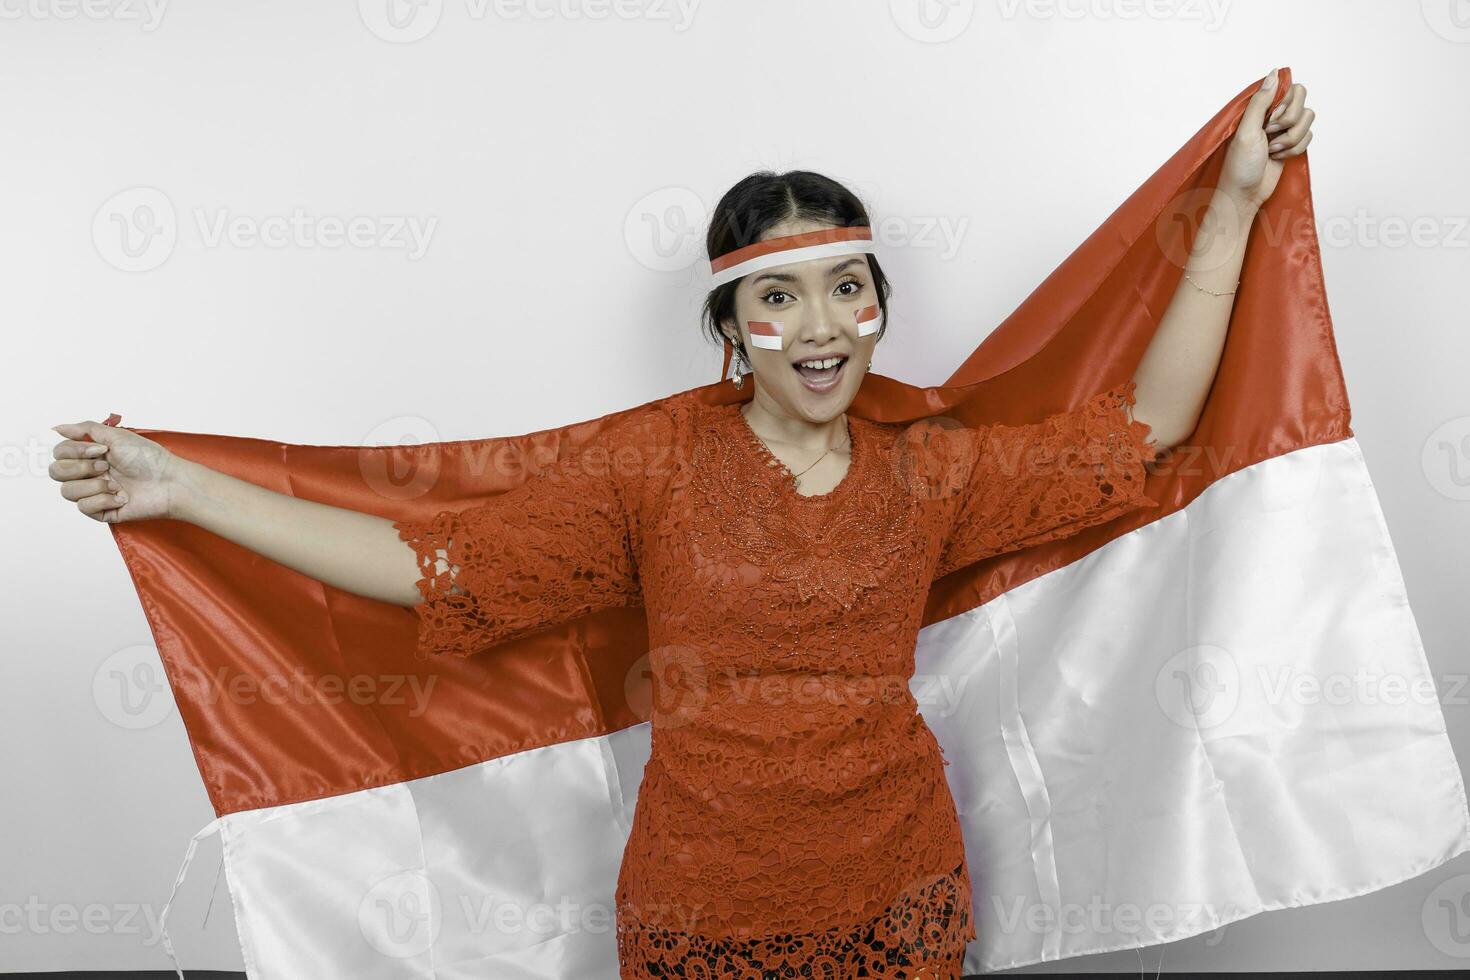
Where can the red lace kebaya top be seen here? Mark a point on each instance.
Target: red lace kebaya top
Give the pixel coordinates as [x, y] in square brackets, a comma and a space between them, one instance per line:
[793, 818]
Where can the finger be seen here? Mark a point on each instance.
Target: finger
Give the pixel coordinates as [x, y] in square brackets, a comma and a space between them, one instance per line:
[1274, 120]
[1293, 151]
[1276, 112]
[1255, 109]
[1290, 109]
[74, 449]
[1294, 135]
[75, 469]
[95, 431]
[100, 505]
[77, 489]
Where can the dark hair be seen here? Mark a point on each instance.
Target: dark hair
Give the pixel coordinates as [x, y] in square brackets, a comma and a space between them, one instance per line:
[765, 199]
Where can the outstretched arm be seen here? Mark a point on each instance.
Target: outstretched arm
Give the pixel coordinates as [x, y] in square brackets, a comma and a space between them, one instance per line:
[1179, 365]
[559, 545]
[347, 549]
[120, 475]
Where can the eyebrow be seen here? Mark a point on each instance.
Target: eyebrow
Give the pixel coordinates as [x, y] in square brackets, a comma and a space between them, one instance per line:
[789, 277]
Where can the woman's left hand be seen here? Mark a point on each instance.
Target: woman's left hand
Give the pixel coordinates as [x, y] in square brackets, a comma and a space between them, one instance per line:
[1261, 144]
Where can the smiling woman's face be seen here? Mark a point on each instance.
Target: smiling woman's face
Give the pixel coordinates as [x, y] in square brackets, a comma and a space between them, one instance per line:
[816, 303]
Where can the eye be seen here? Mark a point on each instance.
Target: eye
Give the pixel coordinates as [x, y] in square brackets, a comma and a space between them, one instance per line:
[851, 282]
[775, 291]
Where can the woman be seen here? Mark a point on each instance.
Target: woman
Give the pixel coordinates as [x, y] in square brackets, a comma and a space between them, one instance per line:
[793, 818]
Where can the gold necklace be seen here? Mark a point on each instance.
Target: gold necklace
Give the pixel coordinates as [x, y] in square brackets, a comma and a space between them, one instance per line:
[796, 477]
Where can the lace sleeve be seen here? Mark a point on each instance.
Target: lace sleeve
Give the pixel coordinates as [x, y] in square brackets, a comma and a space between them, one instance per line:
[1050, 479]
[554, 548]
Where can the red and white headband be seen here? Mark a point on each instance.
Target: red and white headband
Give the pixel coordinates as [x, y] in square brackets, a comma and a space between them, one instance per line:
[789, 248]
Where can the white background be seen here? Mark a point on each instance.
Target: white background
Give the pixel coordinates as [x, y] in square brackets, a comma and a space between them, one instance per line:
[560, 156]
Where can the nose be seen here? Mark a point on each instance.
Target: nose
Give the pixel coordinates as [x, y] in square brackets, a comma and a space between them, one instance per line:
[823, 325]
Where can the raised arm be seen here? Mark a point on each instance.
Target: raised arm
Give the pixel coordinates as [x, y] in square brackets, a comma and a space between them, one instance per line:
[1177, 369]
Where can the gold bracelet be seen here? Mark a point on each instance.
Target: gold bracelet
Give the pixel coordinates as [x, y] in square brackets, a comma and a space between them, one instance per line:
[1210, 291]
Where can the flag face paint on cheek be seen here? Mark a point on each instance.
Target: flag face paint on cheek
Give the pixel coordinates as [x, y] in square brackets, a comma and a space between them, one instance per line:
[867, 320]
[765, 333]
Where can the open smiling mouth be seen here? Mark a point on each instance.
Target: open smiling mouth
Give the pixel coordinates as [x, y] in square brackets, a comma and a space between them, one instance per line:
[821, 373]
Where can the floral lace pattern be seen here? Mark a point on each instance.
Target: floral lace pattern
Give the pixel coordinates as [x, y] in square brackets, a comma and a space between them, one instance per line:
[921, 935]
[793, 818]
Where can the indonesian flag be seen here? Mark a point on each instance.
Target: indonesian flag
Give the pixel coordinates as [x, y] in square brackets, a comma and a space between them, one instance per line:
[765, 333]
[1145, 722]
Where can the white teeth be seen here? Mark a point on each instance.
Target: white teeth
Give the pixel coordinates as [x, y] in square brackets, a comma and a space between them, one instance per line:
[825, 362]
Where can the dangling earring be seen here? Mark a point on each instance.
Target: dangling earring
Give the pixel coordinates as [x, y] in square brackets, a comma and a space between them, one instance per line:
[739, 360]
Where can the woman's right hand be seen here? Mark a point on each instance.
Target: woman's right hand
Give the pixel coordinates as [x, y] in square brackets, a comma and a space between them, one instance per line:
[118, 476]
